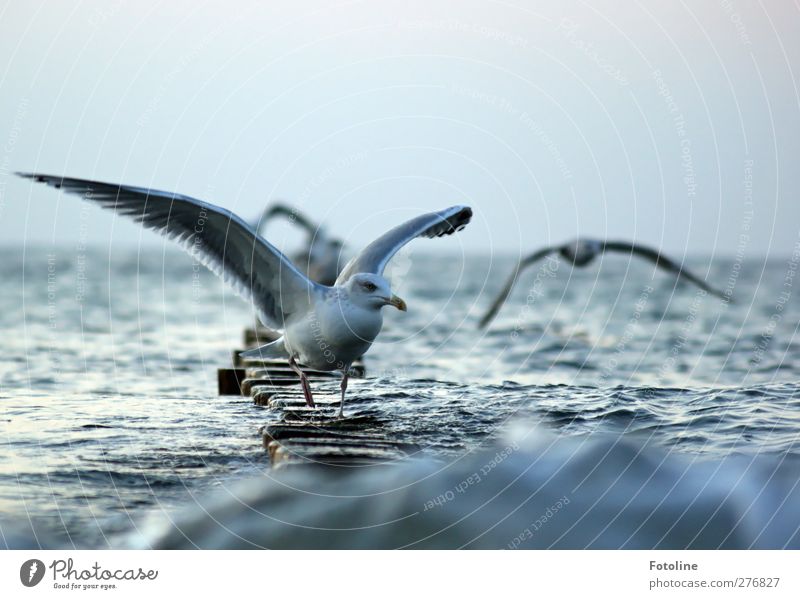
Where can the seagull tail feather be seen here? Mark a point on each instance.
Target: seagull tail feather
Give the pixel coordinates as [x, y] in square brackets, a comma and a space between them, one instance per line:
[274, 349]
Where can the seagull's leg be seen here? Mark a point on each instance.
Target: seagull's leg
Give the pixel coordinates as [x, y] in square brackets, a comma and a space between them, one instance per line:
[303, 382]
[345, 376]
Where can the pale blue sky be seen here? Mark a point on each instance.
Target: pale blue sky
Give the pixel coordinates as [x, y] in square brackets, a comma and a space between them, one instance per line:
[615, 119]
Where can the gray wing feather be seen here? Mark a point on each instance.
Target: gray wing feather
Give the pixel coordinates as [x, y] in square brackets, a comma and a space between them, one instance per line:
[219, 239]
[661, 261]
[374, 257]
[512, 280]
[286, 211]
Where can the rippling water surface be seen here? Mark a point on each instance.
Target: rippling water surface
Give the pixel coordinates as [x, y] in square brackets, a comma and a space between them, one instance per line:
[109, 405]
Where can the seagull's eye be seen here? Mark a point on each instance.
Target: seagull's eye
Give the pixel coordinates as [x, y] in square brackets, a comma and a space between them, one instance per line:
[369, 286]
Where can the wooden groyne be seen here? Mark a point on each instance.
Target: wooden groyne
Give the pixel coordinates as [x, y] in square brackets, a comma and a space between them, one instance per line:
[297, 434]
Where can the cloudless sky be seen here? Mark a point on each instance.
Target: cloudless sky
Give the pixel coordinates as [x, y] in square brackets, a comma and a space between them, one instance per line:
[665, 122]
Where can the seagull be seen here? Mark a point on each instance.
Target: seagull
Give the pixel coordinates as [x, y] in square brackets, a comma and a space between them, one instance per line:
[581, 252]
[322, 258]
[324, 327]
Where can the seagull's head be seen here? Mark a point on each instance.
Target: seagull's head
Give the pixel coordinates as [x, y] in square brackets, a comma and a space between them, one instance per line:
[372, 291]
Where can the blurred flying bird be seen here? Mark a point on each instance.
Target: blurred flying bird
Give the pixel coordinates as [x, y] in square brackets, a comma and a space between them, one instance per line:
[582, 252]
[324, 327]
[322, 258]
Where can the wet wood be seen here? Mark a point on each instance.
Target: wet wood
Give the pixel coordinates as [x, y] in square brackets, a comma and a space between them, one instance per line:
[298, 435]
[317, 437]
[248, 384]
[284, 398]
[328, 453]
[286, 371]
[301, 430]
[229, 381]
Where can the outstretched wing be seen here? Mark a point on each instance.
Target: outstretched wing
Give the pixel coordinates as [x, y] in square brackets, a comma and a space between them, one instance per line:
[506, 291]
[374, 257]
[661, 261]
[288, 212]
[219, 239]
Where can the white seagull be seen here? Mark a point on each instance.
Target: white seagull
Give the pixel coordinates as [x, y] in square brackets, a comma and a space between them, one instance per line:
[324, 327]
[581, 252]
[322, 258]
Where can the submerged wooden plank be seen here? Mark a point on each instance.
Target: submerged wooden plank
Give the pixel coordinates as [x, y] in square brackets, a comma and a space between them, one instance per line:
[287, 372]
[331, 454]
[361, 425]
[299, 430]
[248, 383]
[287, 402]
[298, 434]
[303, 439]
[357, 371]
[278, 397]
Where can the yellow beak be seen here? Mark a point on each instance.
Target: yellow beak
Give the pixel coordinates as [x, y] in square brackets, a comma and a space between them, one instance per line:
[398, 303]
